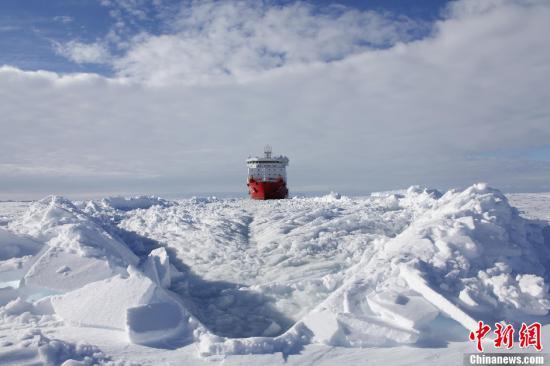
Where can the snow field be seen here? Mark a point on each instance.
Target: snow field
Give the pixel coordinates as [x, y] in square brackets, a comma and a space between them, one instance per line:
[245, 277]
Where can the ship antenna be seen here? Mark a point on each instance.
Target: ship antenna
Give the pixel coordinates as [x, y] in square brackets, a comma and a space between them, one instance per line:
[267, 151]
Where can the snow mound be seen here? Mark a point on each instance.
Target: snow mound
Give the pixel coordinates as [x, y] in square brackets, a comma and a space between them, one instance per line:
[468, 255]
[474, 247]
[78, 251]
[419, 198]
[132, 304]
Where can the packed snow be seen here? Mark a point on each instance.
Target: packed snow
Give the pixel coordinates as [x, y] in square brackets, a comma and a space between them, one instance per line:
[144, 280]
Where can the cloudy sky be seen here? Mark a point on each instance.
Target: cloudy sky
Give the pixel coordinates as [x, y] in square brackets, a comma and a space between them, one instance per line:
[170, 97]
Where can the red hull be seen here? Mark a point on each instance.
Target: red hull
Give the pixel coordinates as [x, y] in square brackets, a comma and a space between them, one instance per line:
[267, 190]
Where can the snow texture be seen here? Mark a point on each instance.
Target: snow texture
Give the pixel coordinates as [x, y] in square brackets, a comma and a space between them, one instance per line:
[36, 349]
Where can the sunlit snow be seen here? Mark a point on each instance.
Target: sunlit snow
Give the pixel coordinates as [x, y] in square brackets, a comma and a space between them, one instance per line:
[207, 279]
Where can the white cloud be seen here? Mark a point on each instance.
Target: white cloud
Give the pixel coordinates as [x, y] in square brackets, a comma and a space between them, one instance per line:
[468, 8]
[64, 19]
[132, 8]
[216, 40]
[95, 53]
[420, 112]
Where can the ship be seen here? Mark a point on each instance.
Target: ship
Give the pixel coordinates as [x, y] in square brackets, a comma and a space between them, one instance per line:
[267, 176]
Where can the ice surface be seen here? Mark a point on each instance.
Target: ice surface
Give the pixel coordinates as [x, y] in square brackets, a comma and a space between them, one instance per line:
[132, 304]
[274, 261]
[410, 311]
[532, 205]
[44, 275]
[158, 322]
[7, 294]
[9, 210]
[244, 277]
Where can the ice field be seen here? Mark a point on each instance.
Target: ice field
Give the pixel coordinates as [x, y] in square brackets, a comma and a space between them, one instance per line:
[399, 277]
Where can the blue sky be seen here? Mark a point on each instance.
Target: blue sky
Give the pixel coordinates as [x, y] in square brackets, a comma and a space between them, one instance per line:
[30, 28]
[168, 97]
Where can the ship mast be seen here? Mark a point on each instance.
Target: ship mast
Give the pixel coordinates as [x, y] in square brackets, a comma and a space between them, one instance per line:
[267, 151]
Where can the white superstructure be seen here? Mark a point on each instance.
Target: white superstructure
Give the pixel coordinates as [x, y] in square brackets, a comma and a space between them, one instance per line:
[268, 168]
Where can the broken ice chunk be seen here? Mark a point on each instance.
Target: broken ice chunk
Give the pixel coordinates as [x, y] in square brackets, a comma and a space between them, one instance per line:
[157, 267]
[153, 323]
[407, 311]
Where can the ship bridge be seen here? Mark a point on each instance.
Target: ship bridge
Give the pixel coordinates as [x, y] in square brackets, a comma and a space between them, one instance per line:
[267, 168]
